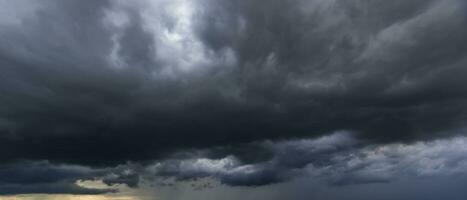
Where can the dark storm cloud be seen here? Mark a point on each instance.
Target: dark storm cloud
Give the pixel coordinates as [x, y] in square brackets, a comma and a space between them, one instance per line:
[52, 188]
[287, 159]
[336, 160]
[104, 82]
[43, 177]
[351, 65]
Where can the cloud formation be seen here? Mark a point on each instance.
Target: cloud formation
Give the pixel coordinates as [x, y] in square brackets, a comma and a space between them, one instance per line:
[242, 84]
[337, 159]
[44, 177]
[127, 80]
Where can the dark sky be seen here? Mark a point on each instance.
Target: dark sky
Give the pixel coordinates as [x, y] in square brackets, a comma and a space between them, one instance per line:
[325, 94]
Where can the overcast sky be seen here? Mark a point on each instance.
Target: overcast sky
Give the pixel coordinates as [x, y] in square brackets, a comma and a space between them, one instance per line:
[233, 99]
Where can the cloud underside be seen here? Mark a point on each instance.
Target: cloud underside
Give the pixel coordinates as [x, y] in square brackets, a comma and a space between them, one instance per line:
[338, 159]
[123, 91]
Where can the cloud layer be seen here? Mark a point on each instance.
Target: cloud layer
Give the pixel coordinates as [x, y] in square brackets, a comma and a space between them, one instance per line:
[100, 84]
[43, 177]
[334, 160]
[337, 159]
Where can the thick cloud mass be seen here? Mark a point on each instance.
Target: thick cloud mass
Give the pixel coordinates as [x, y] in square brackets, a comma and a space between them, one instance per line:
[337, 160]
[101, 83]
[83, 81]
[43, 177]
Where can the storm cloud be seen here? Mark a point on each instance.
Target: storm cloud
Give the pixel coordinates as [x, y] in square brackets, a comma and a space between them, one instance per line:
[248, 92]
[44, 177]
[336, 160]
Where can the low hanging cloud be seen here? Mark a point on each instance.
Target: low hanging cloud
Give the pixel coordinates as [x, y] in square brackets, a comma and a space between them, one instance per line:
[337, 159]
[43, 177]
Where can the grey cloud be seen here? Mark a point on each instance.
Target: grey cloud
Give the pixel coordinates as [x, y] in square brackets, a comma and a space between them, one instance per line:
[288, 160]
[129, 80]
[50, 188]
[28, 177]
[440, 158]
[336, 159]
[128, 174]
[104, 83]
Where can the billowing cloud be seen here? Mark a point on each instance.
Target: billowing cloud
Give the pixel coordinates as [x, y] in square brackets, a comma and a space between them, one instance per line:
[337, 159]
[234, 89]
